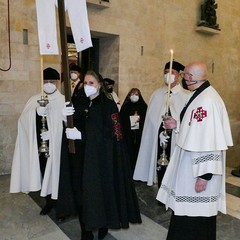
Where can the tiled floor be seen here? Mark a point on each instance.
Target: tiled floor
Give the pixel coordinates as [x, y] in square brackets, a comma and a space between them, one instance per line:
[20, 219]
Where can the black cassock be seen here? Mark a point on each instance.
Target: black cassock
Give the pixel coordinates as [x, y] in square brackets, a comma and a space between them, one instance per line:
[105, 189]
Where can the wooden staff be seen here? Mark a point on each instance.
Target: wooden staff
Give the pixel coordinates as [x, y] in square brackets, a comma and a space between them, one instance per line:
[65, 66]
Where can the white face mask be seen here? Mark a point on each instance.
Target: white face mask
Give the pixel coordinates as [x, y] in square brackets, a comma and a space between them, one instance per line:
[134, 98]
[49, 88]
[74, 76]
[89, 90]
[172, 78]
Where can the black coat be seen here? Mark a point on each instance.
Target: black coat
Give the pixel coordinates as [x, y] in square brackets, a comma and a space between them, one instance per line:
[107, 196]
[78, 95]
[66, 204]
[133, 137]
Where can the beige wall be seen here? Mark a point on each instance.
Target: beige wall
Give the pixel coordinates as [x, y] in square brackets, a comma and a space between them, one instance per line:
[157, 25]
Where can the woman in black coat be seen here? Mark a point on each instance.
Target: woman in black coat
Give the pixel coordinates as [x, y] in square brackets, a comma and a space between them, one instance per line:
[107, 197]
[132, 115]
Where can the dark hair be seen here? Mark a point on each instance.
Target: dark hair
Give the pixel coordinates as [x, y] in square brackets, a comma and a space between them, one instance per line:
[133, 90]
[127, 99]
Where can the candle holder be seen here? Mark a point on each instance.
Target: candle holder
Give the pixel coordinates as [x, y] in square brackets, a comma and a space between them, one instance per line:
[44, 145]
[43, 101]
[163, 161]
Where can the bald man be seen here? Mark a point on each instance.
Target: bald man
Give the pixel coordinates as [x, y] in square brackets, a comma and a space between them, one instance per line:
[194, 182]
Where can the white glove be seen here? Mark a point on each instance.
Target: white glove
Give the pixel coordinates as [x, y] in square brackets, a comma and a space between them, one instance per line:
[163, 138]
[45, 135]
[67, 111]
[42, 111]
[73, 133]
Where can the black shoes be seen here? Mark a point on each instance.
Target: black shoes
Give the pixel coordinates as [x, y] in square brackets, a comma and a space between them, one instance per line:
[87, 235]
[102, 232]
[61, 219]
[47, 209]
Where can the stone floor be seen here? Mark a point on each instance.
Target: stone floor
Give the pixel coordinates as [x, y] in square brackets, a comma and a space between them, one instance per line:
[20, 219]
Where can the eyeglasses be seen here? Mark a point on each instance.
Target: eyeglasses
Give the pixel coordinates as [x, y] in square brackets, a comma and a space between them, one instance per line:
[183, 75]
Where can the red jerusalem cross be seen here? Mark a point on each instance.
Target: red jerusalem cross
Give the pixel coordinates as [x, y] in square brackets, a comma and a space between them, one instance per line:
[48, 45]
[200, 114]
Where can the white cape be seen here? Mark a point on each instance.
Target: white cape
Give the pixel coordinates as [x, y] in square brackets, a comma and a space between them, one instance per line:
[26, 175]
[206, 118]
[146, 164]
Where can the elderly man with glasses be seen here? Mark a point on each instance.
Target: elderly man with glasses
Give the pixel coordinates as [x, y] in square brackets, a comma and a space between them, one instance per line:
[194, 183]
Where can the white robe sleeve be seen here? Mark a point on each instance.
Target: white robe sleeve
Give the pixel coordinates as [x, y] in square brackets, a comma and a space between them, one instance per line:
[207, 162]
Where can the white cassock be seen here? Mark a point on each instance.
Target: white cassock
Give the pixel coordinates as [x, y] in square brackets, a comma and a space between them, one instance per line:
[204, 137]
[146, 165]
[26, 174]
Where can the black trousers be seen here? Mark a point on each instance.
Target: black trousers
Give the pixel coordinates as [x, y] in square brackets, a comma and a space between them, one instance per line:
[160, 175]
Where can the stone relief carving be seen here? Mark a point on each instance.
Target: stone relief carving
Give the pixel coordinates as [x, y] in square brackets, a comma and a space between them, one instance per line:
[209, 15]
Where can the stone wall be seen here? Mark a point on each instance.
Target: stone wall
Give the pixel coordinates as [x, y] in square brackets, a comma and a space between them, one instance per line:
[141, 33]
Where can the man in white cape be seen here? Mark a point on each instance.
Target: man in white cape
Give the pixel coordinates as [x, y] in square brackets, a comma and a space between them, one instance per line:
[150, 149]
[30, 173]
[194, 182]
